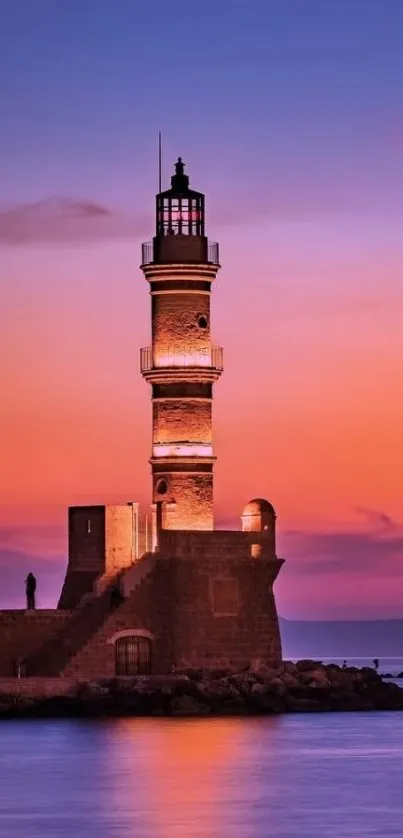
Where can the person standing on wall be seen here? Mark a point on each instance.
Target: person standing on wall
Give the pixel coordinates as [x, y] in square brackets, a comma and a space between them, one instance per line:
[30, 589]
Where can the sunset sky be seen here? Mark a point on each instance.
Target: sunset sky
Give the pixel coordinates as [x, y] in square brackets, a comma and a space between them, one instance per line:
[289, 116]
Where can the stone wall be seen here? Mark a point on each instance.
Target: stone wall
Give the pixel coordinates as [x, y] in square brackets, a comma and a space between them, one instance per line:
[182, 420]
[101, 543]
[87, 538]
[225, 613]
[119, 535]
[149, 608]
[23, 633]
[175, 323]
[217, 544]
[216, 609]
[36, 687]
[189, 499]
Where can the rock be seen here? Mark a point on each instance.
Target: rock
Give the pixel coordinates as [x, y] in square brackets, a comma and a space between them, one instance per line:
[317, 679]
[307, 665]
[262, 700]
[304, 687]
[290, 681]
[264, 674]
[186, 705]
[349, 701]
[290, 667]
[222, 696]
[221, 690]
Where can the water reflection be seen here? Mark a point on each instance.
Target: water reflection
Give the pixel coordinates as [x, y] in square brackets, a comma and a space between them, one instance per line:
[179, 769]
[333, 775]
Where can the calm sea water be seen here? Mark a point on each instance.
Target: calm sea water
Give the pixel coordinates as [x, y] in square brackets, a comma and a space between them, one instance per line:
[284, 777]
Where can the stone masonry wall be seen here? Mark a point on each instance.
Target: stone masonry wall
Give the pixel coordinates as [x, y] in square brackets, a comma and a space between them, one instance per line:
[119, 527]
[175, 323]
[207, 612]
[87, 538]
[191, 495]
[225, 612]
[148, 608]
[182, 420]
[23, 633]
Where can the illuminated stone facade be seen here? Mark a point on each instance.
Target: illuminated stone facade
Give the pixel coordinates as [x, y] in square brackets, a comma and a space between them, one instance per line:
[181, 364]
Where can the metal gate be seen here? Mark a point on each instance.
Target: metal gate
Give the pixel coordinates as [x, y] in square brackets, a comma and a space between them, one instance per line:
[133, 655]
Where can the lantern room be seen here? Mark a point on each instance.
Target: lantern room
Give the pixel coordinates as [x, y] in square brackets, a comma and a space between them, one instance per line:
[180, 210]
[180, 229]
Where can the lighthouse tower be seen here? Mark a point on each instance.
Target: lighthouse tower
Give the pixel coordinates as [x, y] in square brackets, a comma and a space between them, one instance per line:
[181, 364]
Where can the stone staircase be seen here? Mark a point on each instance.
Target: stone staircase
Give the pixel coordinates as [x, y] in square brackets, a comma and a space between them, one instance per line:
[93, 613]
[131, 582]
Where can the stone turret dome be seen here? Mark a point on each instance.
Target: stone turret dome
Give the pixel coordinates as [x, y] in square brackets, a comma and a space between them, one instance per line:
[258, 515]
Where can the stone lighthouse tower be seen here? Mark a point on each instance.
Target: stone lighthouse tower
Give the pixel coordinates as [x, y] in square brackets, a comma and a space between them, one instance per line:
[181, 364]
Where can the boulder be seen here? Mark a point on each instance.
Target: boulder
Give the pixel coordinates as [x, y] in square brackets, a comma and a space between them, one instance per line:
[263, 673]
[243, 682]
[290, 667]
[289, 681]
[262, 700]
[307, 665]
[316, 679]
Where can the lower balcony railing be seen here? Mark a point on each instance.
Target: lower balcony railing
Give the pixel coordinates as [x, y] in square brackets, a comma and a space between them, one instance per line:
[205, 358]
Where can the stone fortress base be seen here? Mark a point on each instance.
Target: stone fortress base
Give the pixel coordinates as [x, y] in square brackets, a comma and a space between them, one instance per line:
[200, 599]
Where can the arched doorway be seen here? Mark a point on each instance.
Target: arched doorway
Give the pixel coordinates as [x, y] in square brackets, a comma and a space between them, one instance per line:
[133, 655]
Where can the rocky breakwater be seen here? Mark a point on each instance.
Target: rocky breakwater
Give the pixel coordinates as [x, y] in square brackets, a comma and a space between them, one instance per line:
[306, 686]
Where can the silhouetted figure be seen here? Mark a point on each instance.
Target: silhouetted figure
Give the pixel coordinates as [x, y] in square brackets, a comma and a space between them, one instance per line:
[344, 665]
[376, 663]
[116, 598]
[30, 589]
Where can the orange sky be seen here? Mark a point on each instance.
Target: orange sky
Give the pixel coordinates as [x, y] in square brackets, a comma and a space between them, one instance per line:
[308, 412]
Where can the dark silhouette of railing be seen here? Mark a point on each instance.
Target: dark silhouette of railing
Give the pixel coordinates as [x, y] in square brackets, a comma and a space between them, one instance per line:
[148, 254]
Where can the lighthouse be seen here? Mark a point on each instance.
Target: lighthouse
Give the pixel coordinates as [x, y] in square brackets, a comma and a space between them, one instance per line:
[181, 364]
[194, 596]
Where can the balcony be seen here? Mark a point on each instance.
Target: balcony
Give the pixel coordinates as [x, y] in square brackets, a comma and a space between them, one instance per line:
[208, 359]
[183, 449]
[180, 249]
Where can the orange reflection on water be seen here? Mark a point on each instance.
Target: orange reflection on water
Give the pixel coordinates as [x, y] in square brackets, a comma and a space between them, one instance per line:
[175, 769]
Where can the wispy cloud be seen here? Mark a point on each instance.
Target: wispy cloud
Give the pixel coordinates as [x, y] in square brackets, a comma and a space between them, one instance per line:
[374, 550]
[67, 220]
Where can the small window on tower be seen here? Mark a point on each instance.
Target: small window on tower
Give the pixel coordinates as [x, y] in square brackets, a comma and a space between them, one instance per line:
[89, 526]
[202, 321]
[162, 487]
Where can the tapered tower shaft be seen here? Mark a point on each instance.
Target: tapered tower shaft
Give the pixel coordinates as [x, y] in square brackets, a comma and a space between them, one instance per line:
[181, 364]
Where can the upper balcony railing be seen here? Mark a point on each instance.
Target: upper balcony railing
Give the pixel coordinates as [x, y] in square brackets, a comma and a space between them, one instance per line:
[170, 359]
[210, 255]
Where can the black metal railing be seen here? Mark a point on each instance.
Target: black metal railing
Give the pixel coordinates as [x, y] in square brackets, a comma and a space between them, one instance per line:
[148, 255]
[213, 254]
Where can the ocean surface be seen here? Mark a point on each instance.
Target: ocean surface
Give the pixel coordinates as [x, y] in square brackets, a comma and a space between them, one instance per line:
[298, 776]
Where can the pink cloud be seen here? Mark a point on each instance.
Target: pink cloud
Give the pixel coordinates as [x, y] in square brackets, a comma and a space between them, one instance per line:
[61, 220]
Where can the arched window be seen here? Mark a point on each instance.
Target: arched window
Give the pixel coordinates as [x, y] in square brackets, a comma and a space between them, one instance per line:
[133, 655]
